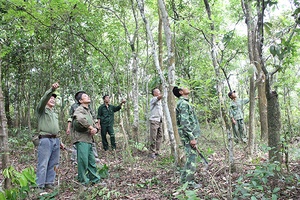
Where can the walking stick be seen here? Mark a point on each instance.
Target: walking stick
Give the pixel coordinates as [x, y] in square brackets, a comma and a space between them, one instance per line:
[201, 155]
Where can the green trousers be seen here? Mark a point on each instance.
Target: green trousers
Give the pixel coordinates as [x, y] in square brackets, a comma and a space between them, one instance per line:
[238, 130]
[104, 130]
[188, 172]
[87, 170]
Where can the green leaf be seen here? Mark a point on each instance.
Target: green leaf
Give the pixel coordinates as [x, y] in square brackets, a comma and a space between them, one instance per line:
[274, 197]
[23, 181]
[273, 50]
[253, 198]
[276, 190]
[103, 172]
[2, 196]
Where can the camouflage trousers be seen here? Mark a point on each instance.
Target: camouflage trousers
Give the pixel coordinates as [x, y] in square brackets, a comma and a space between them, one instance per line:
[238, 130]
[188, 172]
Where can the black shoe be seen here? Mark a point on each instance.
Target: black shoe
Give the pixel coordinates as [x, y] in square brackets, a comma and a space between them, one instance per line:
[49, 186]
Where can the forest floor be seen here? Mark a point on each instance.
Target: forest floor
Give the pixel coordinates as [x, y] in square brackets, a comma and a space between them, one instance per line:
[134, 175]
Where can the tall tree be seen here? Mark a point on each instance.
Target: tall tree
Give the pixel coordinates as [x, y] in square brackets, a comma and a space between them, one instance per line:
[255, 45]
[4, 150]
[255, 42]
[164, 82]
[171, 73]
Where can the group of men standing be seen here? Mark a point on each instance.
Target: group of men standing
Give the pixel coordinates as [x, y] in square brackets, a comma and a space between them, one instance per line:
[83, 126]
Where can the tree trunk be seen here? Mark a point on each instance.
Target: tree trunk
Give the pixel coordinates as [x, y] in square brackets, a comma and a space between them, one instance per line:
[224, 116]
[7, 104]
[274, 126]
[160, 60]
[262, 104]
[171, 75]
[4, 151]
[255, 42]
[251, 140]
[164, 83]
[135, 94]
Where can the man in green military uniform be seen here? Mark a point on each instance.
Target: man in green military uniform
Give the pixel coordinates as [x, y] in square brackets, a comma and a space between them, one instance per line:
[236, 116]
[84, 130]
[106, 121]
[189, 131]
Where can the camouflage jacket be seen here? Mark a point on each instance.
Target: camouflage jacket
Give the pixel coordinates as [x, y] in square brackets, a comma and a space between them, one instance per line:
[187, 123]
[235, 109]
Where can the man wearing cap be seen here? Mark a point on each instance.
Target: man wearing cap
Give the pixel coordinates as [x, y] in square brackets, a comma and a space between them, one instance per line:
[84, 130]
[73, 107]
[189, 131]
[156, 115]
[106, 121]
[49, 144]
[236, 116]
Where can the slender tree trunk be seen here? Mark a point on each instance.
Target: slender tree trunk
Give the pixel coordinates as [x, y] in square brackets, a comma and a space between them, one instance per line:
[251, 140]
[4, 151]
[225, 123]
[262, 105]
[160, 59]
[171, 75]
[17, 104]
[164, 83]
[255, 56]
[7, 104]
[135, 90]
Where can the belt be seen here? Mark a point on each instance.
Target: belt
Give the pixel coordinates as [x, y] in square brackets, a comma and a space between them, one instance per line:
[47, 136]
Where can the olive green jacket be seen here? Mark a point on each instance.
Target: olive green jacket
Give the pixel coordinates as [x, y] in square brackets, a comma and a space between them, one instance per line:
[82, 119]
[47, 118]
[106, 114]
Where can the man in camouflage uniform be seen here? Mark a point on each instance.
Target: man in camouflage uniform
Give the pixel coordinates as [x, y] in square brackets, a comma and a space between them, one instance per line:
[106, 121]
[189, 131]
[236, 116]
[84, 130]
[69, 128]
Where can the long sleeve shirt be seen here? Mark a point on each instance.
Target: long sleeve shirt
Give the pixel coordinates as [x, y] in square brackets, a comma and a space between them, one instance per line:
[156, 112]
[106, 114]
[187, 123]
[83, 118]
[235, 109]
[47, 118]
